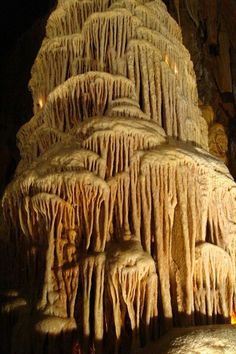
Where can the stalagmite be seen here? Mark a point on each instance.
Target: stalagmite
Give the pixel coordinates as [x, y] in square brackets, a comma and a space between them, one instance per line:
[121, 223]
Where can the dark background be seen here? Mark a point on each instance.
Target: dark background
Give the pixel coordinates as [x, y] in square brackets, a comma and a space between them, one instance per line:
[16, 17]
[22, 28]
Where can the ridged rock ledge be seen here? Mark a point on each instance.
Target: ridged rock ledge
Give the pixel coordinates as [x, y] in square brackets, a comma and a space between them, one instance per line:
[121, 224]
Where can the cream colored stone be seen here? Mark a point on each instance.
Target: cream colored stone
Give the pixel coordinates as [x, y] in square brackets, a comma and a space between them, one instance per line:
[219, 339]
[123, 221]
[218, 141]
[208, 114]
[54, 325]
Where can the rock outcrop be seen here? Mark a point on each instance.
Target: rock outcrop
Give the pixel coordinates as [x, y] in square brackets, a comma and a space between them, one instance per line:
[121, 221]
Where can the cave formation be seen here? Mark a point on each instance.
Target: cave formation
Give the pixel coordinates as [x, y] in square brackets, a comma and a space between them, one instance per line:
[121, 223]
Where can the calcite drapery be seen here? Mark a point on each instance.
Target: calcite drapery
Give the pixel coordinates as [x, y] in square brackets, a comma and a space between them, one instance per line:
[122, 218]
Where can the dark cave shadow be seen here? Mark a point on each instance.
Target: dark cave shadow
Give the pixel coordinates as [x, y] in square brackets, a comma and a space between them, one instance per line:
[197, 319]
[20, 337]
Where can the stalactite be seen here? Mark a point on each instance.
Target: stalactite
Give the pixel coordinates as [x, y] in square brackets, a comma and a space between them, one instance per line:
[115, 50]
[84, 96]
[111, 30]
[172, 53]
[233, 257]
[213, 284]
[70, 157]
[40, 141]
[121, 222]
[144, 71]
[53, 300]
[70, 17]
[126, 111]
[169, 100]
[64, 157]
[27, 129]
[132, 284]
[148, 17]
[167, 21]
[50, 72]
[93, 274]
[221, 221]
[116, 139]
[173, 215]
[92, 191]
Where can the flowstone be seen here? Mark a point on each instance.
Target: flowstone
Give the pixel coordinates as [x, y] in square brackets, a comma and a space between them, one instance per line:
[121, 224]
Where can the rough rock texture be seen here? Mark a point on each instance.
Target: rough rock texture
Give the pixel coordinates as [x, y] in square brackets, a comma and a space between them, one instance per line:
[205, 339]
[209, 33]
[121, 223]
[218, 141]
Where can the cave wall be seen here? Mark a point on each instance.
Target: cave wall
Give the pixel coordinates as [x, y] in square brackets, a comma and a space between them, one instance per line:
[209, 34]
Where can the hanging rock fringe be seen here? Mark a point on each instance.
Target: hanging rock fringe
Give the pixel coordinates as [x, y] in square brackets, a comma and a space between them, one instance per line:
[121, 223]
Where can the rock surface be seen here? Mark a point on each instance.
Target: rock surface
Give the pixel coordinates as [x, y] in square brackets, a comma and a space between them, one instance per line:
[218, 339]
[121, 223]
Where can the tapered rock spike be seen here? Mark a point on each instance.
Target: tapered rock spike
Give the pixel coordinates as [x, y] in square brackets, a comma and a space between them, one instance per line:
[121, 222]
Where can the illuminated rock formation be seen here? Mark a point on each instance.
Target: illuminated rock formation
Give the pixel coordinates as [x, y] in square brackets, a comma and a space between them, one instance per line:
[218, 141]
[121, 221]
